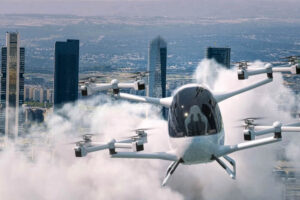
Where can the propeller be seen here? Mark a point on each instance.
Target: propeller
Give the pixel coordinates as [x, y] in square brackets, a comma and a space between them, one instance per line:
[78, 143]
[85, 139]
[242, 64]
[250, 121]
[139, 132]
[91, 79]
[142, 129]
[292, 59]
[139, 75]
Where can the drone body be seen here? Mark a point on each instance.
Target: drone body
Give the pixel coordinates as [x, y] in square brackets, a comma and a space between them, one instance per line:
[195, 128]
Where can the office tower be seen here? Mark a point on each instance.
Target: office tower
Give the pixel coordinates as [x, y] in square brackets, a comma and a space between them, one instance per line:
[12, 86]
[157, 68]
[66, 72]
[221, 55]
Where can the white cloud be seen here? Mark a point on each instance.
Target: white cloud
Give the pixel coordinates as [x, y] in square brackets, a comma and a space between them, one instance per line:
[59, 175]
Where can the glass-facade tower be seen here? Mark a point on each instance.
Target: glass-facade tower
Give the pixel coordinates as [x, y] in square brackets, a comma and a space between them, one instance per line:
[157, 68]
[66, 72]
[12, 86]
[221, 55]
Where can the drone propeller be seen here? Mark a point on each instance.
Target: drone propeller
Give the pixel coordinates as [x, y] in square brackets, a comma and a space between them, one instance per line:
[242, 64]
[249, 121]
[139, 75]
[248, 125]
[292, 59]
[142, 129]
[139, 132]
[78, 143]
[85, 139]
[252, 118]
[91, 79]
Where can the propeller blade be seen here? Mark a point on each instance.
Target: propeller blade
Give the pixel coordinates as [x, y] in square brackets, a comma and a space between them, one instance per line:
[78, 142]
[251, 118]
[143, 129]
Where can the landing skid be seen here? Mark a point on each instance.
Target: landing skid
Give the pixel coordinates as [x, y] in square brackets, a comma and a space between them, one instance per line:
[230, 172]
[170, 171]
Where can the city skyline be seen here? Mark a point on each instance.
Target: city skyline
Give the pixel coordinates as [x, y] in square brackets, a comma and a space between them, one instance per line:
[110, 50]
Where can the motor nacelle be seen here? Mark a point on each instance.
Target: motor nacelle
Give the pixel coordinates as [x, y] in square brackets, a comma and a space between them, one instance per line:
[114, 84]
[139, 85]
[295, 69]
[84, 90]
[277, 126]
[248, 135]
[80, 151]
[242, 74]
[137, 147]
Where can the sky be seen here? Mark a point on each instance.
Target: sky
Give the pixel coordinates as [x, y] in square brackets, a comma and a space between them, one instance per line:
[170, 8]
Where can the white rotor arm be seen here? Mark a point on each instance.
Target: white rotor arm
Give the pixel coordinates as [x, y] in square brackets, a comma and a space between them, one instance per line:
[283, 129]
[90, 88]
[222, 96]
[277, 128]
[157, 155]
[227, 149]
[245, 73]
[166, 102]
[135, 143]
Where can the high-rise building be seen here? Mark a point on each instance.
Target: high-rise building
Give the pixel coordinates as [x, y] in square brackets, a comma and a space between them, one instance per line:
[66, 72]
[12, 86]
[221, 55]
[157, 68]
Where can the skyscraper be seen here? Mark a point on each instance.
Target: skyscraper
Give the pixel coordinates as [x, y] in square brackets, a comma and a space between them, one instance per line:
[66, 72]
[221, 55]
[157, 68]
[12, 86]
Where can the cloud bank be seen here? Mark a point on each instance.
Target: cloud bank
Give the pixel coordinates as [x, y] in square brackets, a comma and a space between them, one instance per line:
[54, 172]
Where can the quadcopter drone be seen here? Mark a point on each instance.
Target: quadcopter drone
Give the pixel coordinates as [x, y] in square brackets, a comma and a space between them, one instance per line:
[195, 126]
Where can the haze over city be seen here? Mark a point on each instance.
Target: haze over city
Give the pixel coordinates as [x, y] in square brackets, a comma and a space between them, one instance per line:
[280, 9]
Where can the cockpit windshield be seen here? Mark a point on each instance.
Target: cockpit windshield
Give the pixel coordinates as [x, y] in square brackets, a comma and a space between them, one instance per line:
[194, 112]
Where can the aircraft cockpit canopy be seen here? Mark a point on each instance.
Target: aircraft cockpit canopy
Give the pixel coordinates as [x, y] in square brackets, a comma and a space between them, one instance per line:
[194, 112]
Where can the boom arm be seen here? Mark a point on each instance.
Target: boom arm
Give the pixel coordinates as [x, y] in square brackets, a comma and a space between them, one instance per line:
[89, 88]
[245, 73]
[156, 155]
[166, 102]
[227, 149]
[223, 96]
